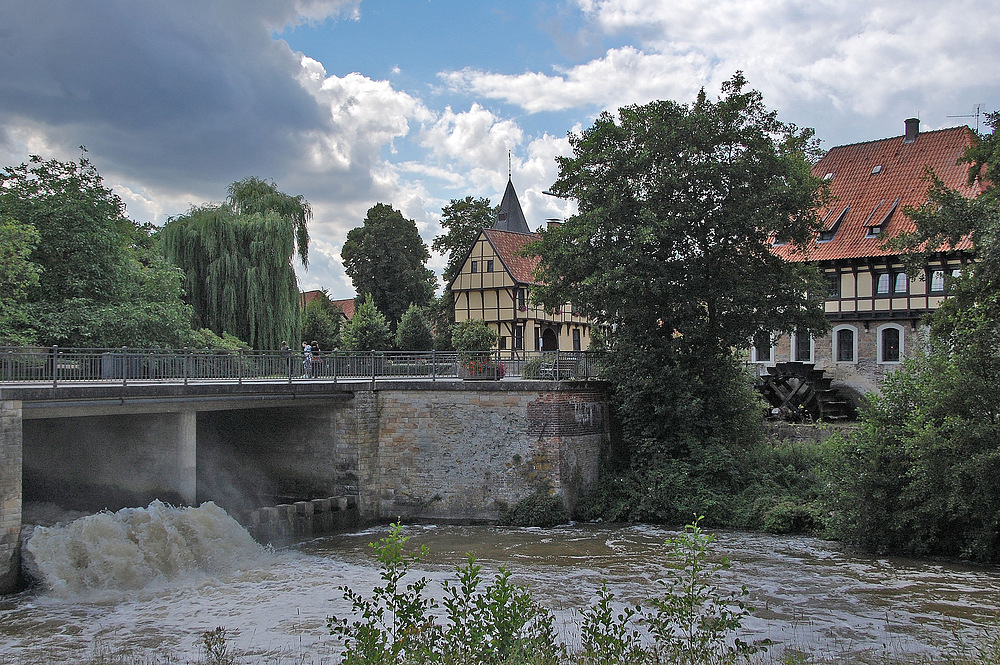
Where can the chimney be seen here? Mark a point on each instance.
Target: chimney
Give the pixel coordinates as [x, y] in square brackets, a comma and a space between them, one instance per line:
[912, 129]
[552, 223]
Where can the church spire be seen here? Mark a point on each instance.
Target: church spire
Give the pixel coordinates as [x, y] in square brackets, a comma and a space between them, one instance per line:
[509, 216]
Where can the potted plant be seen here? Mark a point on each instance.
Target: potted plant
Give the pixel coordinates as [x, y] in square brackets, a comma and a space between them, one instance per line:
[474, 340]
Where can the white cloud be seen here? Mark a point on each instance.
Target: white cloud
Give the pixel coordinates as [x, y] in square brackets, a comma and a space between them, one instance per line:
[474, 137]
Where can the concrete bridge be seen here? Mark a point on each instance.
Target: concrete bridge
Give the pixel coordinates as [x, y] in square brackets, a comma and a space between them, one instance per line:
[446, 450]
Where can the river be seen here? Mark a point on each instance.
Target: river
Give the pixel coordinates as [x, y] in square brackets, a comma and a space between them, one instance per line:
[150, 581]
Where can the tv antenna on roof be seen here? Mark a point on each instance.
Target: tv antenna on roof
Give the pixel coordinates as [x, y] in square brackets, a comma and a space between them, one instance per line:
[979, 108]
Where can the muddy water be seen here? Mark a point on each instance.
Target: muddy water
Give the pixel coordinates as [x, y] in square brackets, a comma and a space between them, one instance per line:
[808, 594]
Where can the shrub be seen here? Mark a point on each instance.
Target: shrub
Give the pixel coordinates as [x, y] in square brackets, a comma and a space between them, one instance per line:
[540, 508]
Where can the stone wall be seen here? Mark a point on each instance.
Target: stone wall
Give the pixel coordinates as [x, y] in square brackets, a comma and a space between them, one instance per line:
[463, 454]
[10, 494]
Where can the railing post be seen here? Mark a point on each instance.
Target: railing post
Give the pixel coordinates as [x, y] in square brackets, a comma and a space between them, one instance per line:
[434, 367]
[557, 364]
[124, 366]
[335, 365]
[185, 365]
[55, 365]
[373, 370]
[239, 366]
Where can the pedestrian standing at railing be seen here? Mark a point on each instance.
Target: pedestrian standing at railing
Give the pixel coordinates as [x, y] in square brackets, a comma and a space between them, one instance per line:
[317, 363]
[307, 359]
[286, 358]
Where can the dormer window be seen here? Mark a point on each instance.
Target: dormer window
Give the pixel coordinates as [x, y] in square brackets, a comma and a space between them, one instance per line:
[877, 170]
[830, 230]
[876, 222]
[828, 176]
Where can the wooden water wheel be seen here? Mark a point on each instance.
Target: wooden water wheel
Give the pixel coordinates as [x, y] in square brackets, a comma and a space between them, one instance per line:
[799, 392]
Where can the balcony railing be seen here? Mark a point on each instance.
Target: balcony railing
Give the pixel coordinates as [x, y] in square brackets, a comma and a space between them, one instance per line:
[54, 366]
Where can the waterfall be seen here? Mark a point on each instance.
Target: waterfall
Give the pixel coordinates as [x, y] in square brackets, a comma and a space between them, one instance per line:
[138, 547]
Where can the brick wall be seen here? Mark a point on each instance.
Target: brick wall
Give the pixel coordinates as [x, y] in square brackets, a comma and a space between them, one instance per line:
[10, 493]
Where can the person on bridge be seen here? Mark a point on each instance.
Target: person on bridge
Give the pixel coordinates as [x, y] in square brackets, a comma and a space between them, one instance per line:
[286, 358]
[317, 359]
[307, 360]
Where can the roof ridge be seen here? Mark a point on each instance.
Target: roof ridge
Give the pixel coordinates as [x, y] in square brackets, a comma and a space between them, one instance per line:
[900, 137]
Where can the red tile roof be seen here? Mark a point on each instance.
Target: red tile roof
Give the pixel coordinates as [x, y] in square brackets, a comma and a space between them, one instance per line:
[867, 195]
[508, 245]
[346, 306]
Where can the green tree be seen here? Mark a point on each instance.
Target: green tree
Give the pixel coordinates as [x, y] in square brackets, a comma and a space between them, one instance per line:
[18, 274]
[237, 261]
[463, 219]
[100, 283]
[385, 259]
[368, 330]
[414, 333]
[321, 321]
[473, 335]
[671, 250]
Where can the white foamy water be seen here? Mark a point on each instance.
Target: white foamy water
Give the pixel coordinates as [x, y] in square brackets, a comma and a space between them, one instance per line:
[136, 547]
[808, 593]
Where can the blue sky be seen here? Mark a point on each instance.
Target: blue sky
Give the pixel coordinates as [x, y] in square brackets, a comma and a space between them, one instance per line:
[416, 102]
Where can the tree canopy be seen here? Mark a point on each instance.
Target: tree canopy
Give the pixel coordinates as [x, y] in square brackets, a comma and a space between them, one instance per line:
[671, 251]
[414, 333]
[237, 261]
[386, 259]
[679, 204]
[91, 277]
[368, 330]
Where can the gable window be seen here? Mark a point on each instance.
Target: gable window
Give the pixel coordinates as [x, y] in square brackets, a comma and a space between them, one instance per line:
[845, 344]
[521, 300]
[890, 343]
[489, 265]
[475, 266]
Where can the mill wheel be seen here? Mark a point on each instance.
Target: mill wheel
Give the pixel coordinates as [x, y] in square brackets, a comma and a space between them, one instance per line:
[799, 392]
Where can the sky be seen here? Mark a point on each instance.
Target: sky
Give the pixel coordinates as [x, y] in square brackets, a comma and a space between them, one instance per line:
[414, 103]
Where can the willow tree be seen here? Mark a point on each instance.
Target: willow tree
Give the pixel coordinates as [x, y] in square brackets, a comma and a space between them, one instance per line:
[237, 259]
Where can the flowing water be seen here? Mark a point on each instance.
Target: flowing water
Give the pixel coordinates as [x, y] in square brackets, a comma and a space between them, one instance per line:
[151, 580]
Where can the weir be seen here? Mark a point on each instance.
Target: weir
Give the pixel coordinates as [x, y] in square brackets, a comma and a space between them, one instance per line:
[317, 453]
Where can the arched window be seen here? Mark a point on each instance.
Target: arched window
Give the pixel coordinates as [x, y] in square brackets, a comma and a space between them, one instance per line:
[845, 344]
[890, 343]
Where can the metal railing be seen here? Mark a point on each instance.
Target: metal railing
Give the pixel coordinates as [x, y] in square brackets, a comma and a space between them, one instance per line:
[54, 366]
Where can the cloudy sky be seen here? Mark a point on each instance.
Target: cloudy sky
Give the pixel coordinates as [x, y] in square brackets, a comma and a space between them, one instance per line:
[416, 102]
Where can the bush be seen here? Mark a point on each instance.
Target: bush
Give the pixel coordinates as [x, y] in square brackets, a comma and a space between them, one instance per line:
[540, 508]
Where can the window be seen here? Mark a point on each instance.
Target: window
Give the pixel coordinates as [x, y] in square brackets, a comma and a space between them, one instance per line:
[762, 350]
[845, 344]
[890, 343]
[475, 266]
[892, 283]
[518, 338]
[576, 339]
[833, 285]
[489, 265]
[802, 347]
[939, 278]
[503, 343]
[830, 230]
[520, 300]
[900, 283]
[882, 285]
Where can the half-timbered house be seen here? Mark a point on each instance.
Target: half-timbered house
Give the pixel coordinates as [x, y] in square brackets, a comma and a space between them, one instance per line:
[495, 285]
[874, 306]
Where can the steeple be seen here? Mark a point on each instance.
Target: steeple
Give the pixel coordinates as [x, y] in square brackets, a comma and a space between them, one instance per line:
[510, 217]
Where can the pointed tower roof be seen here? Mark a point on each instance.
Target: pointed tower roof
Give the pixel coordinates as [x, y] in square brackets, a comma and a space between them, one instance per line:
[509, 216]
